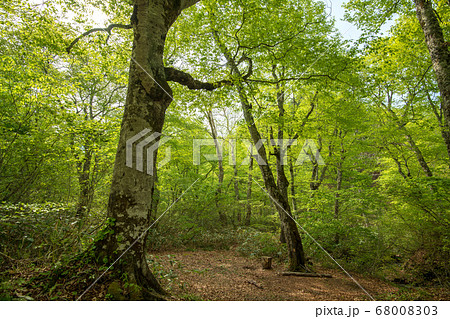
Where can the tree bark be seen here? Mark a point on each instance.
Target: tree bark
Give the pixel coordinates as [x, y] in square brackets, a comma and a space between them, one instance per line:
[446, 137]
[439, 52]
[86, 195]
[292, 174]
[249, 190]
[423, 163]
[339, 179]
[316, 178]
[401, 126]
[438, 112]
[219, 154]
[236, 187]
[338, 189]
[148, 96]
[156, 195]
[282, 181]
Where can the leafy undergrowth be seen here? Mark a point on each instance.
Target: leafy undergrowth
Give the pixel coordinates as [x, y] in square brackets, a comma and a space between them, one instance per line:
[248, 241]
[407, 293]
[43, 233]
[68, 282]
[37, 240]
[38, 243]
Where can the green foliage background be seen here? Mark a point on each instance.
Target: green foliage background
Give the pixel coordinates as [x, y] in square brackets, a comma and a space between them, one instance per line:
[371, 99]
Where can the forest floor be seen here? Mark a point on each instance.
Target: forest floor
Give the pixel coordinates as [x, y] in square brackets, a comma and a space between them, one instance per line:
[225, 275]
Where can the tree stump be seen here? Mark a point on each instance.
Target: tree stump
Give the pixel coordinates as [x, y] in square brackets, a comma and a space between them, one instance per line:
[266, 262]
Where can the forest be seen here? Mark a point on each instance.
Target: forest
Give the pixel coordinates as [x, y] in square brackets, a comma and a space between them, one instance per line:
[224, 150]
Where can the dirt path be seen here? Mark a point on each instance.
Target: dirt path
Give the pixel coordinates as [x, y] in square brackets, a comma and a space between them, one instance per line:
[224, 275]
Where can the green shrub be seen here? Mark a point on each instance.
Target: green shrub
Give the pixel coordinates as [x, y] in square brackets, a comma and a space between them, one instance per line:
[257, 244]
[43, 232]
[167, 238]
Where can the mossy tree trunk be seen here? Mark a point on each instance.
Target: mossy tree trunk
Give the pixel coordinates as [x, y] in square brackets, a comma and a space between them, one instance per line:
[148, 97]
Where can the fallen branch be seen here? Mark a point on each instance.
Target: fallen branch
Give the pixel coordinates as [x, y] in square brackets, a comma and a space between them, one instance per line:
[254, 283]
[304, 274]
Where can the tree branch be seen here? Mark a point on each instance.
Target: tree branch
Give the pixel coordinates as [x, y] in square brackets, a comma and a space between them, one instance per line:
[305, 119]
[309, 77]
[186, 79]
[187, 3]
[107, 29]
[269, 45]
[250, 66]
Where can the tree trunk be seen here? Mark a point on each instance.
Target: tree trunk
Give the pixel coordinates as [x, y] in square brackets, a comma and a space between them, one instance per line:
[85, 197]
[419, 155]
[148, 96]
[249, 190]
[293, 240]
[155, 199]
[338, 189]
[438, 112]
[235, 177]
[236, 193]
[282, 236]
[339, 178]
[282, 181]
[337, 195]
[219, 154]
[446, 137]
[401, 126]
[292, 173]
[439, 52]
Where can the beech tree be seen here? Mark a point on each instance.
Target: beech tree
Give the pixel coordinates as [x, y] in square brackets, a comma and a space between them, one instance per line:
[148, 97]
[430, 15]
[252, 60]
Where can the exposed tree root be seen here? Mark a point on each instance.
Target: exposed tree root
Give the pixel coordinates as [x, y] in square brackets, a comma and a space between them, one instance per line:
[74, 278]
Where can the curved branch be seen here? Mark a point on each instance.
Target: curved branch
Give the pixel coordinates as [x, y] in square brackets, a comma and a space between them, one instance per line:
[250, 66]
[184, 4]
[269, 45]
[293, 79]
[313, 105]
[186, 79]
[107, 29]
